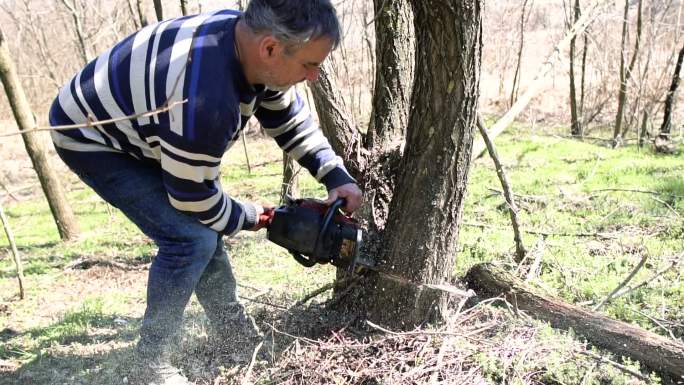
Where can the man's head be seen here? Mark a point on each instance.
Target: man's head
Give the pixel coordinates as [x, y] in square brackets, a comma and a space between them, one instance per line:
[293, 37]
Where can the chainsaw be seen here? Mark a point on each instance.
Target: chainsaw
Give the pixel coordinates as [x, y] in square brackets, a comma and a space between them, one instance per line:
[315, 233]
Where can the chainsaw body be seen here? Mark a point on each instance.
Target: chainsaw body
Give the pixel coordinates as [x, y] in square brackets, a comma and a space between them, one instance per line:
[315, 233]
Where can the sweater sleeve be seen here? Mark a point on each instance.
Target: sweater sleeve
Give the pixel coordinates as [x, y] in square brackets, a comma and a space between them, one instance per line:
[193, 187]
[286, 118]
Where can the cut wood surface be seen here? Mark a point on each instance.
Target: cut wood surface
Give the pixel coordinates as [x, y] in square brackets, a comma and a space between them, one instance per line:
[659, 353]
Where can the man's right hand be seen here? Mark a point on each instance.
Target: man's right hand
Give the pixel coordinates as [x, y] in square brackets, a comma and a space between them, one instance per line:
[264, 215]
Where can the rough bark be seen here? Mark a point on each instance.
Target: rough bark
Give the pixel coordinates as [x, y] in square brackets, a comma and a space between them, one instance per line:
[394, 72]
[395, 55]
[657, 352]
[61, 211]
[576, 124]
[665, 128]
[422, 230]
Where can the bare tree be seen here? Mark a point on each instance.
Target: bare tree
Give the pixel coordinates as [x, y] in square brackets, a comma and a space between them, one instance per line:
[516, 76]
[575, 118]
[61, 211]
[665, 128]
[77, 19]
[625, 72]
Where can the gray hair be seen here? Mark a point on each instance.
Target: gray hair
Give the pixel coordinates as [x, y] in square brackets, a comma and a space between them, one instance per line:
[294, 22]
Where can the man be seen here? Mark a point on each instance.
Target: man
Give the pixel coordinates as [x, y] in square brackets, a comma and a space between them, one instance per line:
[205, 75]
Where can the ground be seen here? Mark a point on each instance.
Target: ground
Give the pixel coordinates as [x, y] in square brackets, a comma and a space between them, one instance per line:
[591, 213]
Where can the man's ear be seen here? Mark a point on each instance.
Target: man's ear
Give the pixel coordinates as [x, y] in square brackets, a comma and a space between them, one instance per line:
[269, 48]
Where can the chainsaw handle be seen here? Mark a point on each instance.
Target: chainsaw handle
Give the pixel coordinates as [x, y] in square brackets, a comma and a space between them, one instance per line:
[327, 220]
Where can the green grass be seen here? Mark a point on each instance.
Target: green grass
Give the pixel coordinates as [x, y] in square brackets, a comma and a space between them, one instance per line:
[561, 183]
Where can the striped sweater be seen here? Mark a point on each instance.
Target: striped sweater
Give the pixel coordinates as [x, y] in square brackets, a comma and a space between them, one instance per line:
[191, 60]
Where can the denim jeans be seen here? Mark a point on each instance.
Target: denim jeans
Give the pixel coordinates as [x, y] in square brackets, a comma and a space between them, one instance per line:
[190, 258]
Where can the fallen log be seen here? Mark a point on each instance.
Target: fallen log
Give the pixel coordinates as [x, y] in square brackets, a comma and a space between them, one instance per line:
[661, 354]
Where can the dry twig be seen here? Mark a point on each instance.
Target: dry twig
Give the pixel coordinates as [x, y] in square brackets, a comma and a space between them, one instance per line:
[623, 283]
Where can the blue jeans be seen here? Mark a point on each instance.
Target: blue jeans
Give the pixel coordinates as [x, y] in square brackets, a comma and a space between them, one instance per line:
[191, 256]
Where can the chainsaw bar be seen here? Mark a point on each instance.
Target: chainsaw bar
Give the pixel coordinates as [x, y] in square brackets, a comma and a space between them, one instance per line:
[370, 265]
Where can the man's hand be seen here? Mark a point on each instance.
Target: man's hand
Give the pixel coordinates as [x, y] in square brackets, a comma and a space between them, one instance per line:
[351, 192]
[264, 215]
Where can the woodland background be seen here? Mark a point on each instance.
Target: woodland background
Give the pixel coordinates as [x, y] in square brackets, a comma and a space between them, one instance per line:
[84, 297]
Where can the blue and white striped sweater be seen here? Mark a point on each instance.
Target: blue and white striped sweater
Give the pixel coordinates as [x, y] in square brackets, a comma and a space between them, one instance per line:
[189, 59]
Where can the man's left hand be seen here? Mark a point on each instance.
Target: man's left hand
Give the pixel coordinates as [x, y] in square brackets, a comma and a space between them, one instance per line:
[350, 192]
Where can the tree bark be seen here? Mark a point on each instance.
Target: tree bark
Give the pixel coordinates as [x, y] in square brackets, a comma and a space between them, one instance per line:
[395, 55]
[657, 352]
[158, 10]
[61, 211]
[575, 125]
[421, 234]
[665, 128]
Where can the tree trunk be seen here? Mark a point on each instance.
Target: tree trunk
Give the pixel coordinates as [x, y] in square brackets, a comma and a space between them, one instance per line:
[625, 72]
[632, 63]
[421, 234]
[335, 120]
[665, 128]
[657, 352]
[184, 7]
[395, 55]
[575, 125]
[158, 10]
[61, 211]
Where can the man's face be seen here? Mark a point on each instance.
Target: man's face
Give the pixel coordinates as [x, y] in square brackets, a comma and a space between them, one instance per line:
[285, 68]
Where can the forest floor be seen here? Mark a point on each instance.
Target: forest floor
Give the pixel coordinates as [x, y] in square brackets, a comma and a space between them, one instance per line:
[590, 213]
